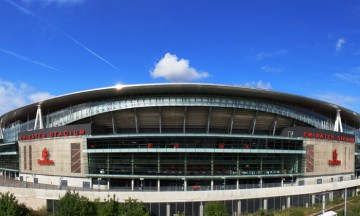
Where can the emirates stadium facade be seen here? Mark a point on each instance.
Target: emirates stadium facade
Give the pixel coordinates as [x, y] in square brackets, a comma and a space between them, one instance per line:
[180, 137]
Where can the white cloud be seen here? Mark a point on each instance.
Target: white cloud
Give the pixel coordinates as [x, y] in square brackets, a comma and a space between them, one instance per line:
[15, 95]
[263, 55]
[270, 69]
[353, 76]
[259, 84]
[176, 70]
[40, 96]
[339, 44]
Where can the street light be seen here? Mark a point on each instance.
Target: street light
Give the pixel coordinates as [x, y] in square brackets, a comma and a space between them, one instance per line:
[184, 184]
[224, 181]
[60, 182]
[102, 171]
[141, 183]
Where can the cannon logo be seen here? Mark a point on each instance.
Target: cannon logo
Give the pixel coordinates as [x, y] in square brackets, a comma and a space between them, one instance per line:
[45, 158]
[334, 160]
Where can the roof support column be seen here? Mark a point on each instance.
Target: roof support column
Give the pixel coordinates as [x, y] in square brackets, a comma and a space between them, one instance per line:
[160, 123]
[113, 123]
[1, 133]
[338, 124]
[254, 123]
[184, 125]
[136, 122]
[38, 119]
[273, 126]
[208, 120]
[1, 130]
[232, 121]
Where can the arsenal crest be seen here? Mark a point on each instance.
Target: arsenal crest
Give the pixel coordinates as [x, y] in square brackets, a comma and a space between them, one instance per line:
[334, 160]
[45, 158]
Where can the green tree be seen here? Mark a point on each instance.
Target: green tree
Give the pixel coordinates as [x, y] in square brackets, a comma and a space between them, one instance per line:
[111, 207]
[132, 207]
[297, 211]
[215, 209]
[9, 206]
[74, 204]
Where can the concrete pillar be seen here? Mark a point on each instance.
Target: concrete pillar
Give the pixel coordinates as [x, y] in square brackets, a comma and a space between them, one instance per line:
[185, 185]
[288, 202]
[239, 207]
[132, 184]
[212, 184]
[331, 196]
[167, 209]
[282, 182]
[201, 209]
[237, 184]
[265, 204]
[158, 185]
[312, 199]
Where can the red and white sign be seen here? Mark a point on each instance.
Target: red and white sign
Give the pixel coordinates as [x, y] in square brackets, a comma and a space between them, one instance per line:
[334, 160]
[45, 158]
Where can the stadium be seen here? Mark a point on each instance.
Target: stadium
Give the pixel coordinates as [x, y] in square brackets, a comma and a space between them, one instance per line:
[178, 146]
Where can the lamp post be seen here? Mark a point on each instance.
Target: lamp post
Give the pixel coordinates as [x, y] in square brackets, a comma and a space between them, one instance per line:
[102, 171]
[184, 184]
[60, 182]
[141, 183]
[224, 181]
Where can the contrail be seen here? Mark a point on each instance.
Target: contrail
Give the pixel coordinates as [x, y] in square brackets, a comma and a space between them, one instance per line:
[89, 50]
[27, 12]
[17, 55]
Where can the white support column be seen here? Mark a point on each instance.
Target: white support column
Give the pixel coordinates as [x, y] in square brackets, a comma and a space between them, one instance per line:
[136, 121]
[158, 185]
[265, 204]
[212, 185]
[185, 185]
[132, 184]
[237, 184]
[1, 130]
[323, 203]
[201, 209]
[38, 119]
[288, 202]
[1, 133]
[338, 124]
[312, 199]
[331, 196]
[167, 209]
[239, 207]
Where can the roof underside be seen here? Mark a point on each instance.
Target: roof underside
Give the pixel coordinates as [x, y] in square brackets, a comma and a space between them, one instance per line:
[51, 105]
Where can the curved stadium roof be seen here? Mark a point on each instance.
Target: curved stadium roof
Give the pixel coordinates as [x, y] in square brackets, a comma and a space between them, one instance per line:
[50, 105]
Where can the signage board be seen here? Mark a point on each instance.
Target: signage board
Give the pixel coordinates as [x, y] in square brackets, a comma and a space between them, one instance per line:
[65, 131]
[314, 133]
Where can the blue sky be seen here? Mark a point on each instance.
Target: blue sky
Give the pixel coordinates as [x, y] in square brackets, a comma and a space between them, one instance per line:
[54, 47]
